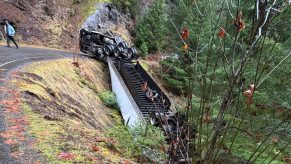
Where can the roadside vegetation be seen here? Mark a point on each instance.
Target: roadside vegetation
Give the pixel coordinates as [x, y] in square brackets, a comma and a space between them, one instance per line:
[66, 107]
[73, 117]
[231, 63]
[225, 64]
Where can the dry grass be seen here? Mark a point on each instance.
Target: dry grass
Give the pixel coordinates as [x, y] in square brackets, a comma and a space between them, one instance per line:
[76, 89]
[123, 33]
[65, 110]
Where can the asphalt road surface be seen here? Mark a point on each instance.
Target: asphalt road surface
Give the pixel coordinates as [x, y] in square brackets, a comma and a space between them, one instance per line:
[12, 59]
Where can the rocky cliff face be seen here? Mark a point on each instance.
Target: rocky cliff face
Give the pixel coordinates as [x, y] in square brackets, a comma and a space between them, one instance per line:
[108, 19]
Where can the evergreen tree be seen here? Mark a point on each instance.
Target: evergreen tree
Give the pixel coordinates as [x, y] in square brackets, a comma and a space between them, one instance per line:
[151, 28]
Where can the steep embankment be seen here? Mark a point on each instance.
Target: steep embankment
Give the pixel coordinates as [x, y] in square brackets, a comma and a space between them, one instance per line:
[50, 23]
[56, 24]
[63, 112]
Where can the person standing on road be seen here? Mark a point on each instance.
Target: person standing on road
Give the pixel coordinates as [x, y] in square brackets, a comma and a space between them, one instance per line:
[9, 30]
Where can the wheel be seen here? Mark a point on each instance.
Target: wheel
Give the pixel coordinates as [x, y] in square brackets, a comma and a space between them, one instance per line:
[108, 41]
[94, 50]
[122, 45]
[108, 50]
[132, 53]
[172, 125]
[117, 51]
[153, 119]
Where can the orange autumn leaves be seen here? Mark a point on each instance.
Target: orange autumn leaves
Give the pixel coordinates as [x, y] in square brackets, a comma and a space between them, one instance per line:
[221, 33]
[249, 93]
[238, 23]
[185, 35]
[16, 121]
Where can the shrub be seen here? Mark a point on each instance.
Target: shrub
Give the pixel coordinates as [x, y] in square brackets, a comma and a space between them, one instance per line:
[134, 141]
[126, 4]
[109, 99]
[144, 49]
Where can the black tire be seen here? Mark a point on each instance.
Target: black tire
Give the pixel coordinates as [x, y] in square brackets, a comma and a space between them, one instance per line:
[172, 125]
[154, 120]
[108, 41]
[118, 51]
[93, 50]
[108, 50]
[132, 53]
[122, 45]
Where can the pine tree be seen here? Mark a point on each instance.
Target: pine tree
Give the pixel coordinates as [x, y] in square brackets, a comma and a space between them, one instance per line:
[151, 28]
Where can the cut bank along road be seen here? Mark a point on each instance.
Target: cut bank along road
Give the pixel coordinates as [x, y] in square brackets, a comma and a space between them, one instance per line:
[11, 59]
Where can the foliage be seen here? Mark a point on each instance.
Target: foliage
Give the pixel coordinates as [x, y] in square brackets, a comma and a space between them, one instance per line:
[214, 70]
[109, 99]
[151, 29]
[174, 76]
[121, 3]
[282, 34]
[126, 4]
[89, 7]
[134, 141]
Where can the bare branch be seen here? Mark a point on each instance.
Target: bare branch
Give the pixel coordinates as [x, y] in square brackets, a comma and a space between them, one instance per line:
[273, 69]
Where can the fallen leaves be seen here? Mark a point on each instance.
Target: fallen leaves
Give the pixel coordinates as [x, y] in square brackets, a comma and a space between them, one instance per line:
[10, 142]
[44, 133]
[126, 162]
[3, 89]
[95, 148]
[16, 122]
[10, 134]
[66, 156]
[92, 158]
[16, 154]
[99, 139]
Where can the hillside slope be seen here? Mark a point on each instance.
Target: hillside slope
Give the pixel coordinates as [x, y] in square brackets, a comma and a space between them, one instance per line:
[63, 116]
[51, 23]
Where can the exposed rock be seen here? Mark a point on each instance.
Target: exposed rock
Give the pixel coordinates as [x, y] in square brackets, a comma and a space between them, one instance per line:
[56, 24]
[108, 18]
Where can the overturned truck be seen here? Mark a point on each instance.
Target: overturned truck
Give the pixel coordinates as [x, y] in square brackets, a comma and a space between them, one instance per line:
[139, 97]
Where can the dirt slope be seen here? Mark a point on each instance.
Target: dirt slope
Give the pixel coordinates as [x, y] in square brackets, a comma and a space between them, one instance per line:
[52, 23]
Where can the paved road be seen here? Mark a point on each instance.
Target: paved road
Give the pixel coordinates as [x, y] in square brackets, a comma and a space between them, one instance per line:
[11, 59]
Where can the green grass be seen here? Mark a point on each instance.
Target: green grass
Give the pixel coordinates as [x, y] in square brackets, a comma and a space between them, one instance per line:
[69, 134]
[45, 134]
